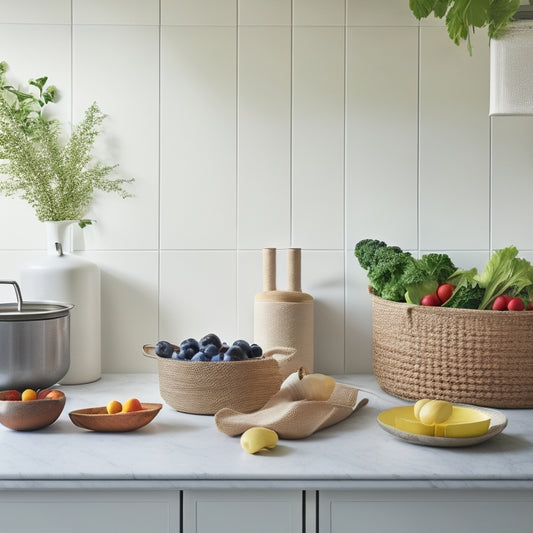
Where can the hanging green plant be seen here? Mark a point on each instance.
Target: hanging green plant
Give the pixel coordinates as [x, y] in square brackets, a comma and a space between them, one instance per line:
[464, 16]
[57, 178]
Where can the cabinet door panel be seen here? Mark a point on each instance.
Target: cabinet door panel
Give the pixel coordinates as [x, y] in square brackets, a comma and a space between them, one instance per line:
[90, 511]
[441, 511]
[260, 511]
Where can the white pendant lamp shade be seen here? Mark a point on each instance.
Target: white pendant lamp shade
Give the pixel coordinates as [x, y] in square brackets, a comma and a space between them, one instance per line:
[511, 70]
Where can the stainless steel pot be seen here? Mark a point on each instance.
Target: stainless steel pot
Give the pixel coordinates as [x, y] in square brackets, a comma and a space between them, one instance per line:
[34, 342]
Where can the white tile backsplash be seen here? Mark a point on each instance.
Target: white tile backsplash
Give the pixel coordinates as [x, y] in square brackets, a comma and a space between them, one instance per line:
[251, 124]
[318, 137]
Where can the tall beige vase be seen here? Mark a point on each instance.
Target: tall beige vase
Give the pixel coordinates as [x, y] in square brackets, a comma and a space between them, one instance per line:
[285, 318]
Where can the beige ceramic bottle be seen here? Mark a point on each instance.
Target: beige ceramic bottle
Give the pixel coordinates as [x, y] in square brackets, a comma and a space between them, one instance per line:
[285, 317]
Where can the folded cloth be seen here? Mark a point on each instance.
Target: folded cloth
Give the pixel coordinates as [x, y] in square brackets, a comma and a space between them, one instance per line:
[293, 419]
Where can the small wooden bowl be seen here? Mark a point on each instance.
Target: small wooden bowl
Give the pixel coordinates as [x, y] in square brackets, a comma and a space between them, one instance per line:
[29, 415]
[97, 418]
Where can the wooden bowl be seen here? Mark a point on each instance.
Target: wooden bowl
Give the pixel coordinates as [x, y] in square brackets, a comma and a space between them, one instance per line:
[97, 418]
[29, 415]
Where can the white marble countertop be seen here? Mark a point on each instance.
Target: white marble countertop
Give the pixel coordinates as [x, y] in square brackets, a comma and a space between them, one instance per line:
[185, 451]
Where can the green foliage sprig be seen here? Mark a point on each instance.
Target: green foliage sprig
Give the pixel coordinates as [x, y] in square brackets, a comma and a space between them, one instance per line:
[58, 179]
[464, 16]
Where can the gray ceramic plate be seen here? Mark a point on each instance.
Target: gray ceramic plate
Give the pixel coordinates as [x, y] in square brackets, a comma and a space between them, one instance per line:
[498, 421]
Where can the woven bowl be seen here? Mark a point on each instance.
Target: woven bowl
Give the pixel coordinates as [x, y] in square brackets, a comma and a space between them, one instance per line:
[205, 387]
[469, 356]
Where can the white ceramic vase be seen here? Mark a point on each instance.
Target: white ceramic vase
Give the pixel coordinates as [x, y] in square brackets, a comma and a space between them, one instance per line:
[63, 276]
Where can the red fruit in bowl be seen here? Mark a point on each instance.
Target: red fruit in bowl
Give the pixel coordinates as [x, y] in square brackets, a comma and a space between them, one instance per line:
[431, 300]
[516, 304]
[445, 291]
[13, 396]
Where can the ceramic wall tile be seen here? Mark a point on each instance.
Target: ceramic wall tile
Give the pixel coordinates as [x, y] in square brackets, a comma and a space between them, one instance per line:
[318, 12]
[198, 137]
[318, 138]
[381, 136]
[261, 13]
[35, 12]
[323, 278]
[116, 12]
[454, 143]
[22, 48]
[130, 135]
[264, 130]
[383, 13]
[249, 283]
[129, 285]
[199, 12]
[512, 186]
[197, 294]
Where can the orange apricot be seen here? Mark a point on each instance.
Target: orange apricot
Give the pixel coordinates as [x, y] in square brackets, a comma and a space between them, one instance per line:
[113, 407]
[132, 405]
[29, 395]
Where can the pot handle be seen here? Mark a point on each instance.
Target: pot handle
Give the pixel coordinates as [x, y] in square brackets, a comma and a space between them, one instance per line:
[17, 291]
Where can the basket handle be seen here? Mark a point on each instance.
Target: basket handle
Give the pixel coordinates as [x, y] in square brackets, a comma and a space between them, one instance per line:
[149, 351]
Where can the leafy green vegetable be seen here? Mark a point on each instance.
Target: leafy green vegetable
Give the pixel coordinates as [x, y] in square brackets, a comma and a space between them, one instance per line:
[467, 294]
[396, 275]
[504, 273]
[385, 265]
[385, 275]
[424, 275]
[464, 16]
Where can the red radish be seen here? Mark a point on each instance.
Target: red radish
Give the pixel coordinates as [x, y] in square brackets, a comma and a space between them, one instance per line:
[445, 291]
[500, 303]
[516, 304]
[431, 299]
[529, 306]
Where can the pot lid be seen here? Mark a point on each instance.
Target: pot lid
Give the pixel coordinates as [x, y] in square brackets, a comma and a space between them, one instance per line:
[20, 310]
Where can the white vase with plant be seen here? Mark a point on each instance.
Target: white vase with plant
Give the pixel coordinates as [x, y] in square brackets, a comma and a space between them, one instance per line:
[58, 176]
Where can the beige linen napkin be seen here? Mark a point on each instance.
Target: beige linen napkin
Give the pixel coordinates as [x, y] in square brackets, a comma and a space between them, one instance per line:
[293, 419]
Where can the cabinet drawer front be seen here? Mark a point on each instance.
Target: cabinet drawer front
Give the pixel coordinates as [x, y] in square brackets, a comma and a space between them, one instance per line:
[260, 511]
[405, 511]
[90, 511]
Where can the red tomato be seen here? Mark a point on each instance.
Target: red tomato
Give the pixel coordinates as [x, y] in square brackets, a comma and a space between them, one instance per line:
[500, 303]
[516, 304]
[431, 299]
[445, 291]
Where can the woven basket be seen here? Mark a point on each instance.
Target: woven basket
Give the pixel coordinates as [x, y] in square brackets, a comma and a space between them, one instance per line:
[203, 387]
[469, 356]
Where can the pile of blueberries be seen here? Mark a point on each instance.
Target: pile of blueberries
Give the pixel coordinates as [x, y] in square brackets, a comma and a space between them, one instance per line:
[208, 348]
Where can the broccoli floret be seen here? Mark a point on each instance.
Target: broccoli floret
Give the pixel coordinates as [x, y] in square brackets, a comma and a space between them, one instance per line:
[385, 275]
[365, 251]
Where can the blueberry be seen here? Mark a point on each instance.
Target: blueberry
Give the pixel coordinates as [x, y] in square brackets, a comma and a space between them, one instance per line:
[244, 346]
[187, 353]
[176, 354]
[234, 353]
[210, 338]
[164, 349]
[210, 350]
[191, 344]
[217, 357]
[256, 350]
[200, 356]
